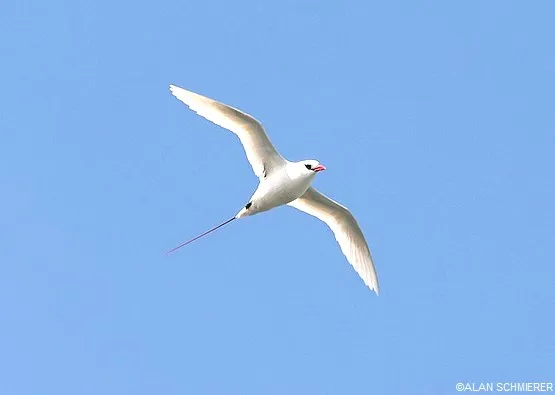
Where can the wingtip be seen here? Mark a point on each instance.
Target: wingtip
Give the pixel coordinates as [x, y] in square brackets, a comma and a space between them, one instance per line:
[376, 286]
[179, 92]
[183, 94]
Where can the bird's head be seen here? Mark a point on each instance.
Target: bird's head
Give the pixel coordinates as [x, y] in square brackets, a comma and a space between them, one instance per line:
[312, 166]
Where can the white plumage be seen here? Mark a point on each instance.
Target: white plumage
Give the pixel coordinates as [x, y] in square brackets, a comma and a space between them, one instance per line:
[284, 182]
[260, 151]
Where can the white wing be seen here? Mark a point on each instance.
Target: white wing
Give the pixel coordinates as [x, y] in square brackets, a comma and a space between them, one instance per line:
[346, 231]
[261, 154]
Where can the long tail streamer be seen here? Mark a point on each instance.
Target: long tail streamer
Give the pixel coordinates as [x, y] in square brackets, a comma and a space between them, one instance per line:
[199, 236]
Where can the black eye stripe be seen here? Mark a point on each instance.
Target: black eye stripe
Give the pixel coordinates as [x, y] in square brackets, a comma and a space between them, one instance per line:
[309, 167]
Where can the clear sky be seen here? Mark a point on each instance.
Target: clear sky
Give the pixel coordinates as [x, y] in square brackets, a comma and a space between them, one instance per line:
[435, 120]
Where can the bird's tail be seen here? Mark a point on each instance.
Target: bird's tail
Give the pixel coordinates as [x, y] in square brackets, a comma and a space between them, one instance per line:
[242, 213]
[203, 234]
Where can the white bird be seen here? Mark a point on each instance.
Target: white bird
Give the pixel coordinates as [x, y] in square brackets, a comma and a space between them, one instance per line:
[283, 182]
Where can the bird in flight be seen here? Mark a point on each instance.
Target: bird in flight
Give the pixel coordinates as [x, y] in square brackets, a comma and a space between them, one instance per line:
[283, 182]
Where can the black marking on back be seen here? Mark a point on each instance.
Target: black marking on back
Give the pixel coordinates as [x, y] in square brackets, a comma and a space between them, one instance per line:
[249, 204]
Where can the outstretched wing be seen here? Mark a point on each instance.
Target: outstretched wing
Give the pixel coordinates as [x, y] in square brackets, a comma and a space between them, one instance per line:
[261, 154]
[346, 230]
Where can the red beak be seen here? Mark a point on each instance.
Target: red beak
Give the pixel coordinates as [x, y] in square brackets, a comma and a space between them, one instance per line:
[319, 168]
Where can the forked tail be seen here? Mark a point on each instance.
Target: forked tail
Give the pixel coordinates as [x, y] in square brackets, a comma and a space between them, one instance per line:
[199, 236]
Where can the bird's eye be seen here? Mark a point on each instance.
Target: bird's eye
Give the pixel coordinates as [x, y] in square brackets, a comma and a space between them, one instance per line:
[309, 167]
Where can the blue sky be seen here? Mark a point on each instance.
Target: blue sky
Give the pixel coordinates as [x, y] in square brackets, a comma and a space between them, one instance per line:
[435, 120]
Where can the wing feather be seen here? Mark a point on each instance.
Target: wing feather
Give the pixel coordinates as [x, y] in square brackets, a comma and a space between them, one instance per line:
[346, 230]
[260, 151]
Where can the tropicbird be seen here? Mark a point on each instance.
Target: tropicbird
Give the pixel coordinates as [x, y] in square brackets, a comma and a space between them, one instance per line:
[283, 182]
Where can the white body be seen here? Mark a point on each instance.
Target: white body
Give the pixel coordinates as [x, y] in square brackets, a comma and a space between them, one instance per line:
[278, 188]
[284, 182]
